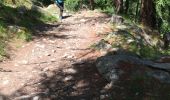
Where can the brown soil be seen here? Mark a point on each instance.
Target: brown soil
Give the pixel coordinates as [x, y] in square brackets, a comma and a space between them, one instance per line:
[58, 64]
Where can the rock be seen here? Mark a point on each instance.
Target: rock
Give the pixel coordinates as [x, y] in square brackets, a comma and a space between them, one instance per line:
[117, 19]
[163, 76]
[37, 8]
[164, 59]
[22, 10]
[5, 82]
[103, 45]
[113, 68]
[166, 38]
[46, 69]
[36, 98]
[68, 78]
[70, 71]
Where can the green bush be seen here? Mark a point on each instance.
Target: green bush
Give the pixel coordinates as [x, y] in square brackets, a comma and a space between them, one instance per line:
[42, 2]
[103, 4]
[2, 49]
[163, 15]
[73, 5]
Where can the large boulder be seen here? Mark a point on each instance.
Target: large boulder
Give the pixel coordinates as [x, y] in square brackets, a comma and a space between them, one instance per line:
[116, 19]
[119, 67]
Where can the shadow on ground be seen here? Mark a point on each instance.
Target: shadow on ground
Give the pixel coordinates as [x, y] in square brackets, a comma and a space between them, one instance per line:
[77, 81]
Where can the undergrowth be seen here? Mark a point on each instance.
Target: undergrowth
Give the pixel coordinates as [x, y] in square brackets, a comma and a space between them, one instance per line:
[135, 40]
[18, 22]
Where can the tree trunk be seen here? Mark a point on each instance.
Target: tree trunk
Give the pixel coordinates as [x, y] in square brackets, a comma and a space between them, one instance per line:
[91, 4]
[148, 11]
[137, 11]
[118, 6]
[126, 6]
[13, 1]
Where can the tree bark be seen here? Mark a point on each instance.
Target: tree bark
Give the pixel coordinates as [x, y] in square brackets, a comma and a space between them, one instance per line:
[118, 6]
[13, 1]
[137, 11]
[126, 6]
[91, 4]
[148, 11]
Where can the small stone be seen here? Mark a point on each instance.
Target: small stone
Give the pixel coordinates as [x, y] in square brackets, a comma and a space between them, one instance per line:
[68, 78]
[44, 39]
[46, 69]
[53, 51]
[43, 75]
[1, 98]
[6, 82]
[52, 85]
[102, 91]
[16, 94]
[16, 65]
[82, 20]
[53, 96]
[50, 74]
[48, 54]
[53, 60]
[102, 97]
[70, 70]
[36, 98]
[40, 46]
[24, 62]
[51, 41]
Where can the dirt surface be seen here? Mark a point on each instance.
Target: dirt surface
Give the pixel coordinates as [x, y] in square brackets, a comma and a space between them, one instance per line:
[58, 64]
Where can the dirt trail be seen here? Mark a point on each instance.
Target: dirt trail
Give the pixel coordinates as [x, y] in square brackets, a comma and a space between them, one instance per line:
[58, 62]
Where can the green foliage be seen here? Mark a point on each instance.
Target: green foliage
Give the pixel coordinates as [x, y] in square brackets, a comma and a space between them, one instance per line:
[103, 4]
[3, 36]
[24, 34]
[163, 15]
[149, 52]
[73, 5]
[2, 49]
[108, 10]
[3, 32]
[18, 22]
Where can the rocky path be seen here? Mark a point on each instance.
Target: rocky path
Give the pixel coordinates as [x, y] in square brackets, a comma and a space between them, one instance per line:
[58, 64]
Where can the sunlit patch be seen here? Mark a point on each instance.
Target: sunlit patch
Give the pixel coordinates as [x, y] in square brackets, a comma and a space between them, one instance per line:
[82, 84]
[70, 71]
[68, 78]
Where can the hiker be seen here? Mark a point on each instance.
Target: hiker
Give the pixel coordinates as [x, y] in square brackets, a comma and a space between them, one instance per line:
[60, 4]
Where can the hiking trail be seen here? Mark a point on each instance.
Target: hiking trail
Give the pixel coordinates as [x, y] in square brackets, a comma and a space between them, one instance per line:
[58, 64]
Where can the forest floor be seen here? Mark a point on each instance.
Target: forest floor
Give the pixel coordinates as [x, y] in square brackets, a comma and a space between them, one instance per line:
[58, 64]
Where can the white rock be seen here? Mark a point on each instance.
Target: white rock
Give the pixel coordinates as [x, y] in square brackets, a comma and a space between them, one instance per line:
[16, 65]
[36, 98]
[68, 78]
[53, 60]
[45, 69]
[23, 62]
[70, 70]
[82, 20]
[5, 82]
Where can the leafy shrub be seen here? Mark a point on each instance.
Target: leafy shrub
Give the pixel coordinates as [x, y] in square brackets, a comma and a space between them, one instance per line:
[103, 4]
[163, 15]
[2, 51]
[42, 2]
[73, 5]
[24, 35]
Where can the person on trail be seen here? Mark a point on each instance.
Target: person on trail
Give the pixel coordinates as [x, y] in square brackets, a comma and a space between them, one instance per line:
[60, 4]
